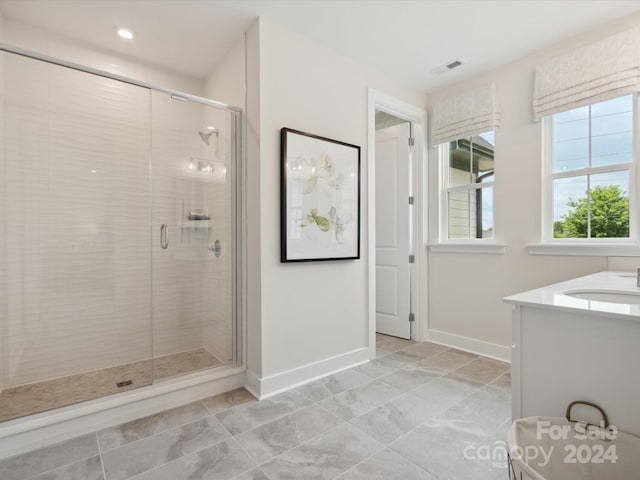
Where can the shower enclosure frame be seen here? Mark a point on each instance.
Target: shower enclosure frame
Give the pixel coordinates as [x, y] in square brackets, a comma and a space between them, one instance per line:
[238, 245]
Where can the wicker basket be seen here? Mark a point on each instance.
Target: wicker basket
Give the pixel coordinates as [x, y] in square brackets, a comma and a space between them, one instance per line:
[557, 448]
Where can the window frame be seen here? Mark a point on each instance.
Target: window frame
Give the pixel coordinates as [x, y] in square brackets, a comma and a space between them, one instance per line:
[549, 176]
[445, 189]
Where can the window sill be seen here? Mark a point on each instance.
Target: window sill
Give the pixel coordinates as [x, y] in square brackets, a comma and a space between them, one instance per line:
[584, 250]
[490, 248]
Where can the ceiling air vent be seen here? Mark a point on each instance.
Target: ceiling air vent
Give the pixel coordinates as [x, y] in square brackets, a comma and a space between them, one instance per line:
[446, 68]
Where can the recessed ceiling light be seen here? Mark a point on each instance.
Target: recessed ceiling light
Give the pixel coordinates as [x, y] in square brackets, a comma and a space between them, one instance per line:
[125, 33]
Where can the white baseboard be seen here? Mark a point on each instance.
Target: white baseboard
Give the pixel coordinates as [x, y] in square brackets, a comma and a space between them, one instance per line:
[492, 350]
[273, 384]
[253, 384]
[40, 430]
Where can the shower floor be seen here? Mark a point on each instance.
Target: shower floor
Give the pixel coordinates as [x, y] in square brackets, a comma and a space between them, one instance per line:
[41, 396]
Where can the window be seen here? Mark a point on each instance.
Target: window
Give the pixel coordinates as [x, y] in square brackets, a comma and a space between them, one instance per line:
[591, 171]
[467, 164]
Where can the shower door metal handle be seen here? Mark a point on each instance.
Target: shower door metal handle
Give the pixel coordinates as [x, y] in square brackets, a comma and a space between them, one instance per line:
[164, 236]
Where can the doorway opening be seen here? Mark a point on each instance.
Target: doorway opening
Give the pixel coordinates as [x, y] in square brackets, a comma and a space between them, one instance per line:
[397, 268]
[394, 212]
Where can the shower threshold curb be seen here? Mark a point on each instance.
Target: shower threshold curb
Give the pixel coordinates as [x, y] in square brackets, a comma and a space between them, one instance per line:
[115, 409]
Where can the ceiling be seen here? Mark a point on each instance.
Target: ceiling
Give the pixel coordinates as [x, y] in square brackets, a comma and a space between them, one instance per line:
[403, 39]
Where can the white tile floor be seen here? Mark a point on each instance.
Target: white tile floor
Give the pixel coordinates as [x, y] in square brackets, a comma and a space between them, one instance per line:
[419, 411]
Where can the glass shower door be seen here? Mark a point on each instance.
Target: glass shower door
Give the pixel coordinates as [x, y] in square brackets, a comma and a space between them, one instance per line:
[75, 244]
[193, 161]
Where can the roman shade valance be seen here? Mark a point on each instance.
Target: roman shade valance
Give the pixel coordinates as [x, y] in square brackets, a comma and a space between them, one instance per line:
[469, 113]
[600, 71]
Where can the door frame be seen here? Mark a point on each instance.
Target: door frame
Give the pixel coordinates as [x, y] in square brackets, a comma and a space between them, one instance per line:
[418, 119]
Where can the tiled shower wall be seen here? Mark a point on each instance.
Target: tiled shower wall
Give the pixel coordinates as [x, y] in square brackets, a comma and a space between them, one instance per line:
[79, 239]
[192, 287]
[177, 307]
[76, 208]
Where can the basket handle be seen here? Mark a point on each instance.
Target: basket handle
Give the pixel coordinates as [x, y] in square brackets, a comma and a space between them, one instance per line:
[589, 404]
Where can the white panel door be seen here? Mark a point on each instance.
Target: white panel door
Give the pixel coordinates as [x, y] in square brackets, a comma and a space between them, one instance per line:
[392, 231]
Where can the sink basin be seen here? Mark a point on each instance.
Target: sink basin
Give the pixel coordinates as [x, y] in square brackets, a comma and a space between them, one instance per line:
[609, 296]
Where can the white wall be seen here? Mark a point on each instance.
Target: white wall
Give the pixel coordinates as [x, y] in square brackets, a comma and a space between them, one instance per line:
[466, 290]
[252, 227]
[309, 312]
[226, 83]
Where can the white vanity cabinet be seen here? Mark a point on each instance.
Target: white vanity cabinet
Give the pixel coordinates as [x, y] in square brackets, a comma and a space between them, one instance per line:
[569, 347]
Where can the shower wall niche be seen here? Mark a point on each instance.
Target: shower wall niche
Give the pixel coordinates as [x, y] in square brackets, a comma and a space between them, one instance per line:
[117, 245]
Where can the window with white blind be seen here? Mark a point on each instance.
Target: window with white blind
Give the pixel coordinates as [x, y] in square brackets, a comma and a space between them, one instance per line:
[462, 129]
[591, 171]
[587, 100]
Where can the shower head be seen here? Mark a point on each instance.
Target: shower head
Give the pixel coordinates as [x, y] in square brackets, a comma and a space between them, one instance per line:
[205, 136]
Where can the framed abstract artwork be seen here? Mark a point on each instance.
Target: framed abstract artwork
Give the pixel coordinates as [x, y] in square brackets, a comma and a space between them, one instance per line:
[319, 198]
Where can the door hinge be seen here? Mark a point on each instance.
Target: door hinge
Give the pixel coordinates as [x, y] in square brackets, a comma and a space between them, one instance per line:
[412, 258]
[412, 317]
[411, 200]
[411, 141]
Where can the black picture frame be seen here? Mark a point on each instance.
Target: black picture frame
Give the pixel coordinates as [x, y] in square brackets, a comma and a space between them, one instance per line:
[319, 198]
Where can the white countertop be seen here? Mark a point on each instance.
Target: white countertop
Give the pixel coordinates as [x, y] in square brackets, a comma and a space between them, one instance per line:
[553, 296]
